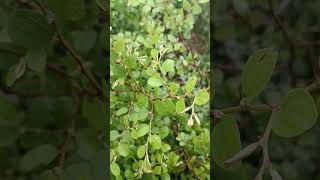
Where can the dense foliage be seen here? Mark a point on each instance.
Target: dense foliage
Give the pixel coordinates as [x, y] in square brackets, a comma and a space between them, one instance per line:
[159, 90]
[266, 73]
[52, 102]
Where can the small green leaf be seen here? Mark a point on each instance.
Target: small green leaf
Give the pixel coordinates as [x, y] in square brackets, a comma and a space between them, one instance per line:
[258, 70]
[142, 130]
[123, 149]
[119, 46]
[226, 140]
[141, 115]
[15, 72]
[114, 135]
[164, 132]
[157, 170]
[190, 84]
[29, 29]
[166, 147]
[203, 1]
[155, 141]
[115, 169]
[186, 5]
[180, 105]
[122, 111]
[131, 61]
[141, 151]
[164, 108]
[297, 114]
[173, 87]
[155, 81]
[36, 59]
[167, 66]
[41, 155]
[196, 9]
[202, 97]
[154, 54]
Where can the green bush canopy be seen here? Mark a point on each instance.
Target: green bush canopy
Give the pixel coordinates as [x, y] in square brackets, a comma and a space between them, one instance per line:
[159, 90]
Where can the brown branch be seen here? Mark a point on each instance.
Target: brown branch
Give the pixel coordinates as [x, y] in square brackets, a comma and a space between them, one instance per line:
[291, 43]
[70, 132]
[79, 60]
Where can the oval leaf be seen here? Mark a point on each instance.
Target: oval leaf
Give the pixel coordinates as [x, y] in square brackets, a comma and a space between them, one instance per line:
[155, 80]
[141, 151]
[226, 141]
[297, 114]
[142, 130]
[258, 70]
[202, 97]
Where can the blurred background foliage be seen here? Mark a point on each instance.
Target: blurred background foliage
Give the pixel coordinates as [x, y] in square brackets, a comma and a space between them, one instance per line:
[239, 27]
[52, 98]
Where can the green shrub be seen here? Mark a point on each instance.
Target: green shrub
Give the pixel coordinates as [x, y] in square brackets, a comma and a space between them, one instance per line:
[159, 91]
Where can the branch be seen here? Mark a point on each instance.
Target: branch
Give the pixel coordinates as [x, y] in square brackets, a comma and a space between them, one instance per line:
[243, 108]
[264, 143]
[79, 60]
[291, 43]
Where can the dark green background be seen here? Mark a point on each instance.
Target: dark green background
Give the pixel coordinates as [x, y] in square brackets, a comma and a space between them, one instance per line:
[52, 117]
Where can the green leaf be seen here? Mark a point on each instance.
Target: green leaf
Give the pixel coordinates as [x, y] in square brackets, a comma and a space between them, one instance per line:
[142, 130]
[154, 54]
[15, 72]
[29, 29]
[155, 141]
[157, 170]
[114, 134]
[166, 147]
[164, 132]
[71, 9]
[36, 60]
[119, 45]
[297, 114]
[196, 9]
[84, 41]
[186, 5]
[133, 3]
[41, 155]
[142, 100]
[141, 115]
[155, 81]
[123, 149]
[202, 97]
[226, 141]
[164, 108]
[122, 111]
[115, 169]
[79, 171]
[141, 151]
[95, 112]
[190, 84]
[203, 1]
[258, 70]
[173, 87]
[131, 61]
[180, 105]
[167, 66]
